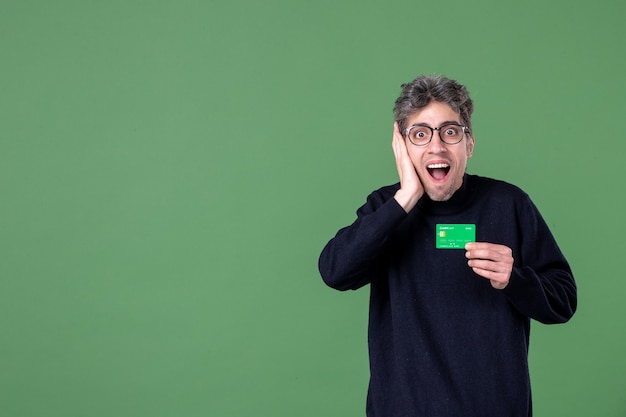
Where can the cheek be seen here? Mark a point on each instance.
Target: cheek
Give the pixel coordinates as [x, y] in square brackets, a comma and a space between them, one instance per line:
[414, 156]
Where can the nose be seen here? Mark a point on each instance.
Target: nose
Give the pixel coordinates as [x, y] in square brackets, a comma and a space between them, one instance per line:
[436, 145]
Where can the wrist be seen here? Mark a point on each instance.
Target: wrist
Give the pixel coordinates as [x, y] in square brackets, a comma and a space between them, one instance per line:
[406, 199]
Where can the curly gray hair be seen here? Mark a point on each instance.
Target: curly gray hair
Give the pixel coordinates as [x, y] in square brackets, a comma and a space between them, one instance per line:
[426, 88]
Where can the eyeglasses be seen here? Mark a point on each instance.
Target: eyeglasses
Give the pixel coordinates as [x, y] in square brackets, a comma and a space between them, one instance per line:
[421, 135]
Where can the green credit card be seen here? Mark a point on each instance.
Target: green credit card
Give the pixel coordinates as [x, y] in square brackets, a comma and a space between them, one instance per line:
[454, 236]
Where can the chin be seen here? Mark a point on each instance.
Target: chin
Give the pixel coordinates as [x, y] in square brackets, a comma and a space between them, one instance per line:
[443, 191]
[441, 194]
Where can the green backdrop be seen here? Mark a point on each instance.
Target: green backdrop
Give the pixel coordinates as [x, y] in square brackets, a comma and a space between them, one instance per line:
[170, 171]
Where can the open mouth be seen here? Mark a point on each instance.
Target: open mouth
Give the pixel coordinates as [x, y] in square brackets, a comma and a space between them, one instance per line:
[438, 171]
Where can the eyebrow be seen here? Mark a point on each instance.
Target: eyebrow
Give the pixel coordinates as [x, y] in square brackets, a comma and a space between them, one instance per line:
[447, 122]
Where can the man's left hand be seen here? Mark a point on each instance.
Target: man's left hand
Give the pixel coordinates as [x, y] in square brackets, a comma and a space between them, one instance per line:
[491, 261]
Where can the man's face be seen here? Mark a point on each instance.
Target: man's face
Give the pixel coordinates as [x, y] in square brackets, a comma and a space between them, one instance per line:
[440, 167]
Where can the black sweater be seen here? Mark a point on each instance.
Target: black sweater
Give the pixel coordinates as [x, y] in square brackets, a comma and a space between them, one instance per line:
[442, 340]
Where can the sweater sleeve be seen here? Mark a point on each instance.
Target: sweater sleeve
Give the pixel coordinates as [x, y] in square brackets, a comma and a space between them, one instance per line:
[350, 260]
[542, 285]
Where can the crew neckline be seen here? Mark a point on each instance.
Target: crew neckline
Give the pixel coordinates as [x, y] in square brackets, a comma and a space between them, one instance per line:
[461, 198]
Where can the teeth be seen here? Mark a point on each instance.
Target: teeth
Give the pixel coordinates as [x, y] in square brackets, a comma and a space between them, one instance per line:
[433, 166]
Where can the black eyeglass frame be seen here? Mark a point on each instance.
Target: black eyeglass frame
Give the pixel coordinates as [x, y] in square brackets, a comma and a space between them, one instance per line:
[432, 133]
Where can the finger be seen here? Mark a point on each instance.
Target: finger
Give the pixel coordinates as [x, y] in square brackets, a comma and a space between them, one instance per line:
[489, 255]
[396, 129]
[403, 162]
[489, 251]
[498, 280]
[488, 265]
[487, 273]
[488, 246]
[398, 140]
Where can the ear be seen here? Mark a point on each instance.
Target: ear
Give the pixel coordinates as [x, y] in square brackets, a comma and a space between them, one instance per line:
[470, 146]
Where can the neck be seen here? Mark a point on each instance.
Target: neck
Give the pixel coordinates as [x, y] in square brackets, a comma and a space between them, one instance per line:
[459, 199]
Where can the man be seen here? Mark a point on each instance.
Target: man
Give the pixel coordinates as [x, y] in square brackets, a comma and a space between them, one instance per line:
[448, 327]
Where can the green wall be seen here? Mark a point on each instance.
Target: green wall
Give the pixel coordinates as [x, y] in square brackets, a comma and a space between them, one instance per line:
[170, 171]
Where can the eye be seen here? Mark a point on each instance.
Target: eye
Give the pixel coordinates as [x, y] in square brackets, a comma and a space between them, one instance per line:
[419, 135]
[451, 131]
[420, 132]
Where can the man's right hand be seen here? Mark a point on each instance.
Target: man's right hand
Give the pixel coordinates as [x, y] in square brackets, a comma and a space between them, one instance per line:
[411, 188]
